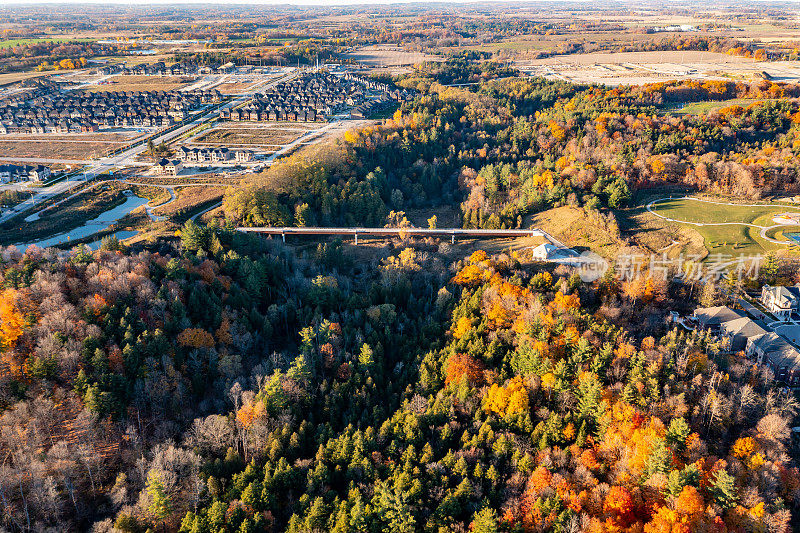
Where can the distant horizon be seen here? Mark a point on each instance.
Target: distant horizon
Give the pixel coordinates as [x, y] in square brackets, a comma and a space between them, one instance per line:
[318, 3]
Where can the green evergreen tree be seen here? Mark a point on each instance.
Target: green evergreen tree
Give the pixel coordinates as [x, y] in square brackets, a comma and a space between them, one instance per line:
[484, 521]
[160, 502]
[723, 489]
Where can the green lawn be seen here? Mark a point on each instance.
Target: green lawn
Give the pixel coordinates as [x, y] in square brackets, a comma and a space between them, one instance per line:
[703, 108]
[732, 239]
[18, 42]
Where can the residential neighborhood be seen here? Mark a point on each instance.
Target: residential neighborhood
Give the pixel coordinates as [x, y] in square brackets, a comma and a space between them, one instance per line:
[35, 173]
[317, 96]
[47, 110]
[771, 344]
[213, 155]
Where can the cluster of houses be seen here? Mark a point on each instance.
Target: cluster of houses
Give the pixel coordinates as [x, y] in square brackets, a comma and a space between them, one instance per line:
[188, 68]
[35, 173]
[772, 346]
[32, 90]
[316, 96]
[84, 112]
[171, 167]
[369, 108]
[213, 155]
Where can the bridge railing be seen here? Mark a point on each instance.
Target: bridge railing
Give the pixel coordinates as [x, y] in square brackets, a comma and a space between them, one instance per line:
[389, 232]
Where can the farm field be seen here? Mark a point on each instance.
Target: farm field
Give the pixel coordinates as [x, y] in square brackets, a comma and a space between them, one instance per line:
[376, 56]
[19, 42]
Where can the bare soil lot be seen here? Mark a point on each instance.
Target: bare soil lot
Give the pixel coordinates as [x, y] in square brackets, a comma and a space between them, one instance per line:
[142, 83]
[54, 149]
[630, 68]
[249, 136]
[386, 55]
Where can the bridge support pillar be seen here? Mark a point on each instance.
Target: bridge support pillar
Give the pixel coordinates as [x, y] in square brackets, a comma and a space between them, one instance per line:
[283, 237]
[356, 234]
[453, 238]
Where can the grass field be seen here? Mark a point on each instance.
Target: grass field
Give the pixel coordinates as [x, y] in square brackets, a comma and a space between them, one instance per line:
[702, 108]
[19, 42]
[734, 238]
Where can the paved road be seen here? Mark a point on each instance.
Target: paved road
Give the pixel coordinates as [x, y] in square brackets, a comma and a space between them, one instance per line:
[44, 160]
[194, 217]
[122, 159]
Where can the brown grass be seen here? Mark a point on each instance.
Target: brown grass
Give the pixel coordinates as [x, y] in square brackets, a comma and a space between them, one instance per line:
[142, 83]
[574, 228]
[659, 236]
[47, 149]
[254, 136]
[189, 198]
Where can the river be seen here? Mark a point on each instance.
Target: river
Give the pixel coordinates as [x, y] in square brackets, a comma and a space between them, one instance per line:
[101, 223]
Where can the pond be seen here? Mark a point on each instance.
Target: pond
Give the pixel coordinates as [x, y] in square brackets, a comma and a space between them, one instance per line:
[102, 222]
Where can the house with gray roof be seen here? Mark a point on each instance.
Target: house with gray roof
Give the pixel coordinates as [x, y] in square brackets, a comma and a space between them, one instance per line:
[781, 301]
[778, 354]
[738, 331]
[712, 317]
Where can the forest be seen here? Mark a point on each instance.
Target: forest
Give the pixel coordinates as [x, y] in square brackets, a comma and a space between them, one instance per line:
[226, 383]
[218, 382]
[508, 147]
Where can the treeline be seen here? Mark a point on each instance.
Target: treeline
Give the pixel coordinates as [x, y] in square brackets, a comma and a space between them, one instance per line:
[507, 148]
[29, 56]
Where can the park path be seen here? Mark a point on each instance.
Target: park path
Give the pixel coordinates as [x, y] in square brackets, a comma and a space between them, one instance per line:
[763, 229]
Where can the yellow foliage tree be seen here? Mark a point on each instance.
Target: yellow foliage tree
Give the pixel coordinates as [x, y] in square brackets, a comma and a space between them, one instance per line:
[508, 400]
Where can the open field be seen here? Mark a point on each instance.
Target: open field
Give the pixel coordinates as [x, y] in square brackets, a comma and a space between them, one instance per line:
[52, 149]
[648, 67]
[715, 213]
[14, 77]
[142, 83]
[700, 108]
[19, 42]
[188, 201]
[274, 137]
[387, 55]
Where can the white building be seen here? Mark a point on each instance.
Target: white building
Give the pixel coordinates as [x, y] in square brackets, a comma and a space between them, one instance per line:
[781, 301]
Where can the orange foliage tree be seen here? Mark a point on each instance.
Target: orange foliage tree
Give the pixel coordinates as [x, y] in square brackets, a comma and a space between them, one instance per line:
[461, 366]
[196, 338]
[13, 307]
